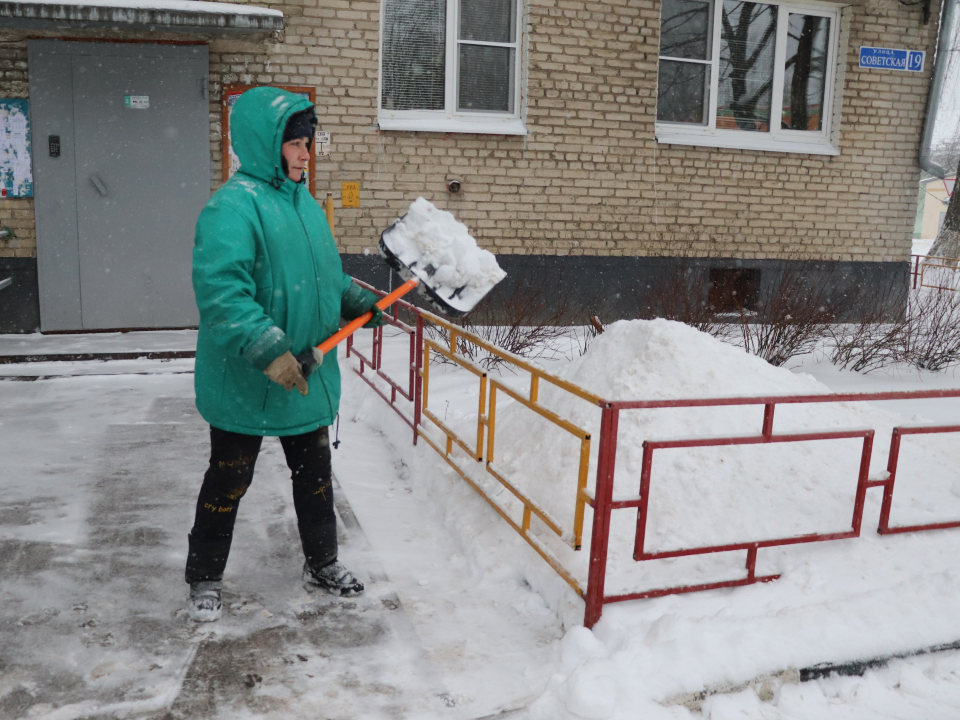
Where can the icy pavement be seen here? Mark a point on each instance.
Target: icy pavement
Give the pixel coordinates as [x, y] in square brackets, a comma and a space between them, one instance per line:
[98, 343]
[99, 478]
[28, 371]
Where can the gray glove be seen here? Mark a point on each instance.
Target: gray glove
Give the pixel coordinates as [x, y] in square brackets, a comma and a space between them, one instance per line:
[309, 360]
[285, 370]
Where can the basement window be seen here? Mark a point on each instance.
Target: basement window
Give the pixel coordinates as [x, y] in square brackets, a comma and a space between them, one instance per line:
[451, 66]
[748, 75]
[733, 290]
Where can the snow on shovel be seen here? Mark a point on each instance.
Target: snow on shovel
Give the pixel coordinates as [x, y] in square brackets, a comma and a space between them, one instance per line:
[429, 248]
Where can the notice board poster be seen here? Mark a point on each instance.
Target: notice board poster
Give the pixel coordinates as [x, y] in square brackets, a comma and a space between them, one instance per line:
[231, 163]
[16, 173]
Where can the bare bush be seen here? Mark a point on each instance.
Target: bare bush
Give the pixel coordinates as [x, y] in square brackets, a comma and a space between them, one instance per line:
[584, 335]
[791, 317]
[932, 333]
[680, 294]
[926, 335]
[526, 320]
[875, 339]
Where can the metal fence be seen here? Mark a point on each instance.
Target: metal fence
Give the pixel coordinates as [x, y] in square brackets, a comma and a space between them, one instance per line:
[431, 336]
[604, 504]
[935, 273]
[407, 388]
[893, 460]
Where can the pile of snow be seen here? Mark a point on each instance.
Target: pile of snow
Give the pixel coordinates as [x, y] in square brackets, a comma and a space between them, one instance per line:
[703, 496]
[440, 251]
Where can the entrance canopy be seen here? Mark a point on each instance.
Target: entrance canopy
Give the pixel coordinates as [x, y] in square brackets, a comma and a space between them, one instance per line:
[154, 15]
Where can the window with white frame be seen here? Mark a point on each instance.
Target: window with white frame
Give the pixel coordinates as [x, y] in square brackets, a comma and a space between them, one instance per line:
[747, 75]
[451, 66]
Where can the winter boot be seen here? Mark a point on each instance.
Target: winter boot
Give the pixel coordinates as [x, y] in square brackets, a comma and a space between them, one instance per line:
[334, 578]
[204, 604]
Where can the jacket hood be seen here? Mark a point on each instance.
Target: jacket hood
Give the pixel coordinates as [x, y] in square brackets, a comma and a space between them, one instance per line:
[256, 129]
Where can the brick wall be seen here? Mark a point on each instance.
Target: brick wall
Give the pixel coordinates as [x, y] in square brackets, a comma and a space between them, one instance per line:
[859, 205]
[590, 178]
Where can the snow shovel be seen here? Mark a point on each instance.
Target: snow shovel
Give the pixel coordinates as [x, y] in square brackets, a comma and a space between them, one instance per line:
[429, 248]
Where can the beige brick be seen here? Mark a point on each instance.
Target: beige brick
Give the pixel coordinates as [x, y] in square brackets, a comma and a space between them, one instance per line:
[590, 177]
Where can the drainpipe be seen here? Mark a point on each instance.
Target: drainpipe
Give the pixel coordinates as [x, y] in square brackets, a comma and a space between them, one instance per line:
[947, 53]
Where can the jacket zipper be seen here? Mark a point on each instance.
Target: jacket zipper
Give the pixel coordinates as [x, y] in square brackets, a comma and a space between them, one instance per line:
[313, 255]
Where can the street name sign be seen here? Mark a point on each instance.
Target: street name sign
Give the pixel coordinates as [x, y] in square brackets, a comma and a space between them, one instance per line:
[891, 59]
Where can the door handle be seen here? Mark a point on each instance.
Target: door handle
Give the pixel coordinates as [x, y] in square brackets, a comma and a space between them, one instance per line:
[98, 184]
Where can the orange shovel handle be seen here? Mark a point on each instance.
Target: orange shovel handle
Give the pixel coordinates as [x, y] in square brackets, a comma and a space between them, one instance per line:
[351, 327]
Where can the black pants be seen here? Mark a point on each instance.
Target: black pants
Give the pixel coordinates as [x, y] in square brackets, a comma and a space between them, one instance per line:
[232, 459]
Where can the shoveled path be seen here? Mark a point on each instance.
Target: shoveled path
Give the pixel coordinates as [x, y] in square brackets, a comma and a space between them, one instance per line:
[98, 484]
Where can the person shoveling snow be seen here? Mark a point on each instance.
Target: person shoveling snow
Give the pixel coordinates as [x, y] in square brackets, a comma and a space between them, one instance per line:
[269, 282]
[270, 287]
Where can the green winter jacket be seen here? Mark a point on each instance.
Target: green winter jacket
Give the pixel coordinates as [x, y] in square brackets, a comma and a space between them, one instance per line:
[268, 279]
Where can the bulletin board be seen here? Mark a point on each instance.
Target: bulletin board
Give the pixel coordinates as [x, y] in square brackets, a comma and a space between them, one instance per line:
[16, 172]
[231, 163]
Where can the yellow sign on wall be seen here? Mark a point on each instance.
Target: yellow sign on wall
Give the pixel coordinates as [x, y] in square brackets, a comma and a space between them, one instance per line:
[350, 194]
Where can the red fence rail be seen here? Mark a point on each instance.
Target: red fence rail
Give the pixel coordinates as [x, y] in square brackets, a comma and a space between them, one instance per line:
[892, 462]
[410, 389]
[920, 263]
[603, 503]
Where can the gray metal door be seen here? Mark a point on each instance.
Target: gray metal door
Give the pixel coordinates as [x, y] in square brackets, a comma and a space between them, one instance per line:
[140, 176]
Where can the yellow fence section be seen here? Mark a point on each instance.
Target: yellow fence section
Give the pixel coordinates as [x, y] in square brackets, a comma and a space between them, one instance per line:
[486, 429]
[430, 347]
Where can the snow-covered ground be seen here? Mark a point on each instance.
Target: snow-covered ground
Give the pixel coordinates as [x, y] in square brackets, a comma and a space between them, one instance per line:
[921, 247]
[461, 619]
[836, 602]
[58, 369]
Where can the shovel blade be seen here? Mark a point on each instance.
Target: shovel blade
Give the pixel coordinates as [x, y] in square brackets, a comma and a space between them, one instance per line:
[445, 299]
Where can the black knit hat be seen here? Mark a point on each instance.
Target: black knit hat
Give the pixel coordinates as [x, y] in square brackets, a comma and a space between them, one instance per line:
[301, 124]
